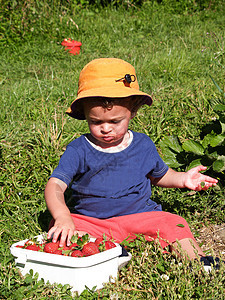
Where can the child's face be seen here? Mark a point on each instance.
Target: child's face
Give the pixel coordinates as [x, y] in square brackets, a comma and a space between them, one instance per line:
[107, 126]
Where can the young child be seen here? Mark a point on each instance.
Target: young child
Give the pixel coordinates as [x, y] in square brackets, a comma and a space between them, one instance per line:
[111, 169]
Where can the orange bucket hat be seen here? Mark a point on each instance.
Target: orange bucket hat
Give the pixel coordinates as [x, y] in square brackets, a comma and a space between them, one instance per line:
[106, 78]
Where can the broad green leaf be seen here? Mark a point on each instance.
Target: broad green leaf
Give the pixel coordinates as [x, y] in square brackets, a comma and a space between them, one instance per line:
[194, 163]
[213, 140]
[217, 140]
[212, 156]
[172, 163]
[206, 140]
[194, 147]
[222, 126]
[170, 158]
[219, 164]
[172, 142]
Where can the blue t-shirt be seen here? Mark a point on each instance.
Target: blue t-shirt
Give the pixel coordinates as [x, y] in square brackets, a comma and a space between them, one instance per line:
[111, 184]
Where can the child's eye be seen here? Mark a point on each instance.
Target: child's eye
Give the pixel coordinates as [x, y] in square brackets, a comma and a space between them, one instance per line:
[96, 122]
[115, 121]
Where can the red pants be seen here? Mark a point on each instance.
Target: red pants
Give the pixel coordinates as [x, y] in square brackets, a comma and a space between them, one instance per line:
[163, 225]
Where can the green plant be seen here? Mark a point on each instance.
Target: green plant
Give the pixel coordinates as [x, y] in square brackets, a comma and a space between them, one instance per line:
[208, 151]
[38, 81]
[182, 6]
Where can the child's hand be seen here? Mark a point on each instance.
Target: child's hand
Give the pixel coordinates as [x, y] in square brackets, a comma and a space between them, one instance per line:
[197, 181]
[64, 228]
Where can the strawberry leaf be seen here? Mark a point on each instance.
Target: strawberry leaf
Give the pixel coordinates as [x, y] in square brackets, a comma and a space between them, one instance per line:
[180, 225]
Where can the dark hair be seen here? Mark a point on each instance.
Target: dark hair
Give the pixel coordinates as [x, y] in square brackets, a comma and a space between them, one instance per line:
[134, 102]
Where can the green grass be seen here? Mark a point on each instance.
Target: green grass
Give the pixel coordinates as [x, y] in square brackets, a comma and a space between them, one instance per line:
[173, 55]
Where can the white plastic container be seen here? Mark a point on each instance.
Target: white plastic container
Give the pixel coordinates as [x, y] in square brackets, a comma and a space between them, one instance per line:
[78, 272]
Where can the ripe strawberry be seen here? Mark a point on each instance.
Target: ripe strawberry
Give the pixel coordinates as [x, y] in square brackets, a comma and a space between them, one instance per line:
[19, 246]
[109, 245]
[33, 247]
[65, 247]
[58, 252]
[90, 249]
[51, 247]
[99, 241]
[77, 253]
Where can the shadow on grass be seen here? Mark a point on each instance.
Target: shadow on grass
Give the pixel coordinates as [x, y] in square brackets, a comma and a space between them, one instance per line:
[44, 220]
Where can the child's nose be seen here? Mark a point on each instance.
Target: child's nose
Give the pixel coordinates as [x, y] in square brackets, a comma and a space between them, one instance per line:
[105, 128]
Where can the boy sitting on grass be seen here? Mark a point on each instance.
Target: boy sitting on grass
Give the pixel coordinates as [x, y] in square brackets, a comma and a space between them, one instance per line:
[111, 169]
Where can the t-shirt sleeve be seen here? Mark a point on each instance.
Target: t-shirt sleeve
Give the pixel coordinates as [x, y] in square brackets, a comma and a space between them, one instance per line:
[68, 165]
[159, 167]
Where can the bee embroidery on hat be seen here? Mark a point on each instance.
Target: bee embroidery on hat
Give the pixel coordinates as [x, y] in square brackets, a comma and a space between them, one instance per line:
[128, 78]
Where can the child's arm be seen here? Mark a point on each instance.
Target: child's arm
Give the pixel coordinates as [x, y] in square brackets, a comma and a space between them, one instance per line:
[54, 197]
[191, 179]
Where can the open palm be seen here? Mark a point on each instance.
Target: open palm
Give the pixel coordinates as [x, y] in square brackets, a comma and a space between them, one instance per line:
[197, 181]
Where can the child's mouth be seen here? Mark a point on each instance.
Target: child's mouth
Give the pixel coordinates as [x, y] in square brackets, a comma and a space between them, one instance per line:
[107, 138]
